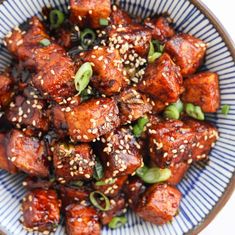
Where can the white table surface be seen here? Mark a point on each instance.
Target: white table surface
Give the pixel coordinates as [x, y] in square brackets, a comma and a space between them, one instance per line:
[224, 222]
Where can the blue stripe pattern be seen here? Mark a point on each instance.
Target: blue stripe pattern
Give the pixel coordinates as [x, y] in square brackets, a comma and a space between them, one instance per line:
[205, 183]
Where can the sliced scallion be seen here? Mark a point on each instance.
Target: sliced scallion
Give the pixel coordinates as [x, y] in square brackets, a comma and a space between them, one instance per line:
[138, 128]
[117, 222]
[99, 171]
[225, 109]
[102, 197]
[45, 42]
[87, 37]
[104, 22]
[105, 182]
[194, 111]
[56, 18]
[174, 110]
[153, 55]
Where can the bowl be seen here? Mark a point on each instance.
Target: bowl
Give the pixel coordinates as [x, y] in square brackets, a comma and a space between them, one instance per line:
[207, 186]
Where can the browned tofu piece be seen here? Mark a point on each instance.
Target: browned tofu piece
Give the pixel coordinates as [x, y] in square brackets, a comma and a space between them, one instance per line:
[89, 13]
[178, 171]
[73, 162]
[5, 164]
[70, 195]
[132, 37]
[111, 187]
[120, 153]
[173, 141]
[162, 80]
[6, 90]
[31, 183]
[187, 52]
[159, 204]
[132, 105]
[133, 189]
[41, 210]
[64, 38]
[203, 90]
[117, 208]
[108, 76]
[118, 16]
[82, 220]
[91, 119]
[160, 28]
[28, 113]
[28, 154]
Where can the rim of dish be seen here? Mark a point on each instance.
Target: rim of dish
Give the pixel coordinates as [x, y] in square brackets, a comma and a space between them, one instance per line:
[231, 185]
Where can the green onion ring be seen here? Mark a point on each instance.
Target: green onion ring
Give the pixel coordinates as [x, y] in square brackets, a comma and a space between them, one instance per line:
[117, 222]
[56, 18]
[96, 204]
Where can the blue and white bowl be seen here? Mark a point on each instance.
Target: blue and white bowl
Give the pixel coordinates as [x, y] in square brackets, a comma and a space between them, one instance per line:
[206, 187]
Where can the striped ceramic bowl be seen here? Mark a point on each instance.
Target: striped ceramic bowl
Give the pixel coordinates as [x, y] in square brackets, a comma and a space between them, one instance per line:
[206, 187]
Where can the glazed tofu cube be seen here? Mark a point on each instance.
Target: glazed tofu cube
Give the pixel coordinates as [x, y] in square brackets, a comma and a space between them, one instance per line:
[203, 90]
[162, 80]
[28, 113]
[89, 13]
[91, 119]
[73, 162]
[119, 17]
[111, 187]
[175, 141]
[28, 154]
[41, 210]
[82, 220]
[108, 76]
[120, 153]
[5, 164]
[160, 28]
[178, 171]
[117, 208]
[133, 189]
[159, 204]
[132, 105]
[130, 39]
[187, 52]
[6, 90]
[31, 183]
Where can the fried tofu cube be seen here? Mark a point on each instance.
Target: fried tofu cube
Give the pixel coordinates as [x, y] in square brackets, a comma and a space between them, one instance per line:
[117, 208]
[41, 210]
[119, 17]
[6, 90]
[178, 171]
[159, 204]
[28, 154]
[120, 153]
[174, 141]
[187, 52]
[82, 220]
[203, 90]
[132, 38]
[91, 119]
[111, 187]
[89, 13]
[160, 28]
[162, 80]
[73, 162]
[132, 105]
[28, 113]
[5, 164]
[108, 78]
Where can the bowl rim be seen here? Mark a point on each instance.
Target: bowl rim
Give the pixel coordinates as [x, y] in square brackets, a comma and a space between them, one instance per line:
[231, 185]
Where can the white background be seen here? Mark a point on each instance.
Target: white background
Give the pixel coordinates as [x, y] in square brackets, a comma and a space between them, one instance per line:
[224, 222]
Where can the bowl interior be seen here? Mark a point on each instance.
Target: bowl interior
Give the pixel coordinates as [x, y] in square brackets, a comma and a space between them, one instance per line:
[205, 183]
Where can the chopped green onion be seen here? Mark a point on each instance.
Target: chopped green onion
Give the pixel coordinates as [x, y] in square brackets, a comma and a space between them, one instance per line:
[82, 77]
[87, 37]
[76, 183]
[106, 182]
[194, 111]
[52, 179]
[172, 112]
[99, 171]
[104, 22]
[96, 203]
[179, 105]
[138, 128]
[45, 42]
[225, 109]
[153, 175]
[56, 18]
[117, 222]
[153, 55]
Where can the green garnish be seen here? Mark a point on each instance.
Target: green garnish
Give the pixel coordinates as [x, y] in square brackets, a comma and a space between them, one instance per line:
[102, 198]
[117, 222]
[45, 42]
[104, 22]
[76, 183]
[99, 171]
[194, 111]
[82, 77]
[106, 182]
[153, 55]
[56, 18]
[174, 110]
[138, 128]
[87, 37]
[225, 109]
